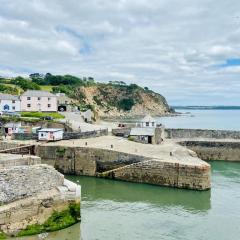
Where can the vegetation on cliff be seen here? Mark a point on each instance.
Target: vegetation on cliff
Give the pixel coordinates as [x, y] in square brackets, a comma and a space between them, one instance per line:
[106, 99]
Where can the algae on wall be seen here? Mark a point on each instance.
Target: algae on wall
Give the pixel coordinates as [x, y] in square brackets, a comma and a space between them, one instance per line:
[58, 221]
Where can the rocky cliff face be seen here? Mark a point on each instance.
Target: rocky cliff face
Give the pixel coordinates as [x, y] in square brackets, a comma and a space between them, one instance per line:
[123, 101]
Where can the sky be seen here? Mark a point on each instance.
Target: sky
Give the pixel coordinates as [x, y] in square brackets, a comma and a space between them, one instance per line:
[188, 50]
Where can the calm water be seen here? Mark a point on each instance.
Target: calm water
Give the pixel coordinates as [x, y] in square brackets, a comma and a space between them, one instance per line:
[122, 211]
[204, 119]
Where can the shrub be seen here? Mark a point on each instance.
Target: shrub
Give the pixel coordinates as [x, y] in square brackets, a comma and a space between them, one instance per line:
[126, 104]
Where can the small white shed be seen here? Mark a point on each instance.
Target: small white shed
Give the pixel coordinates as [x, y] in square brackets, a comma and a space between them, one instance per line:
[50, 134]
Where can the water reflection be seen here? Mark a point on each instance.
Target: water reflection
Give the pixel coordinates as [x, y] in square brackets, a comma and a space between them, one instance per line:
[94, 189]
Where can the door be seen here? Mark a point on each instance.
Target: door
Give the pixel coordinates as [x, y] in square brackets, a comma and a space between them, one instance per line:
[150, 139]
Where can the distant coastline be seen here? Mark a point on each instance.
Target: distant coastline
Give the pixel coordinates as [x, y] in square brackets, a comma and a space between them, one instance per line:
[207, 107]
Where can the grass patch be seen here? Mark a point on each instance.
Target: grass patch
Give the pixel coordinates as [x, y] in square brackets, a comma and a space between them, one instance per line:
[2, 235]
[48, 88]
[41, 114]
[58, 221]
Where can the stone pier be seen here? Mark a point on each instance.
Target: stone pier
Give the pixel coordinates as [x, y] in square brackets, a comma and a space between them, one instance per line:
[168, 164]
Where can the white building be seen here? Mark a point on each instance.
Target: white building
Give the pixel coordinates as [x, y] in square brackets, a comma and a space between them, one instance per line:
[9, 103]
[50, 134]
[147, 121]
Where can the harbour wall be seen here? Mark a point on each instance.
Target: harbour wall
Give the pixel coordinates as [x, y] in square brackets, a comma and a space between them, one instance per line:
[200, 133]
[214, 150]
[124, 166]
[164, 173]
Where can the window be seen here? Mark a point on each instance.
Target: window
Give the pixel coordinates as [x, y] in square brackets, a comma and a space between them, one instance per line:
[49, 105]
[28, 98]
[29, 105]
[13, 101]
[153, 124]
[49, 99]
[13, 108]
[147, 124]
[39, 98]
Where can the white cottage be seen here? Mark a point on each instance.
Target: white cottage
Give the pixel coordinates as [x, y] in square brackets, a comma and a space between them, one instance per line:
[147, 121]
[9, 103]
[50, 134]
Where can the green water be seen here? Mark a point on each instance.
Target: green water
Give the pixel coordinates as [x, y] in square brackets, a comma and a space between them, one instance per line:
[113, 210]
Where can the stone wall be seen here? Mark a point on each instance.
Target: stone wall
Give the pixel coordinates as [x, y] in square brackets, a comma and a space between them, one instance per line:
[82, 135]
[164, 174]
[200, 133]
[123, 166]
[24, 181]
[84, 160]
[12, 160]
[212, 150]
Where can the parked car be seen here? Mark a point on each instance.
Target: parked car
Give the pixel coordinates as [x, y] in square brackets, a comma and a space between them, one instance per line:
[49, 118]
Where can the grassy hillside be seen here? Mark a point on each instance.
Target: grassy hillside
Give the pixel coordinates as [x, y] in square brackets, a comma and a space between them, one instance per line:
[106, 99]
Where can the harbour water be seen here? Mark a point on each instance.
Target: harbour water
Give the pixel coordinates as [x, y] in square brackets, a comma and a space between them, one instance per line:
[121, 211]
[204, 119]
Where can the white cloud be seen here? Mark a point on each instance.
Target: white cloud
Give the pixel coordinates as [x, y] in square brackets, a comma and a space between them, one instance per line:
[173, 46]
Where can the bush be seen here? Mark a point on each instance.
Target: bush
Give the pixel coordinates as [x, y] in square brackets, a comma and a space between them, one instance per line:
[25, 84]
[8, 89]
[2, 235]
[126, 104]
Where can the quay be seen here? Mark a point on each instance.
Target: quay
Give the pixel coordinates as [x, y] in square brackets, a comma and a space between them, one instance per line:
[168, 164]
[34, 196]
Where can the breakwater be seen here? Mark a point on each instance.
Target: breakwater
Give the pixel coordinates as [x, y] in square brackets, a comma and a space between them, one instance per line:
[208, 144]
[215, 150]
[129, 161]
[173, 133]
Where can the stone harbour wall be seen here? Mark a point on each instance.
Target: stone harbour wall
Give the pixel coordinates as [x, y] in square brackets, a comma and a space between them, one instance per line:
[25, 181]
[209, 150]
[164, 174]
[84, 160]
[127, 167]
[201, 133]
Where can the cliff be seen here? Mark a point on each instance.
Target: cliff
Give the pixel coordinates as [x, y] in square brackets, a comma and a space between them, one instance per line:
[109, 100]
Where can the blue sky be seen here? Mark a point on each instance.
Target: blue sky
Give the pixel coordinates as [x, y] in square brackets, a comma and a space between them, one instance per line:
[189, 51]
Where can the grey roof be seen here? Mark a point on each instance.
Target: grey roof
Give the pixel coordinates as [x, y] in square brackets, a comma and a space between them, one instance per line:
[148, 118]
[50, 130]
[142, 132]
[38, 93]
[4, 96]
[12, 124]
